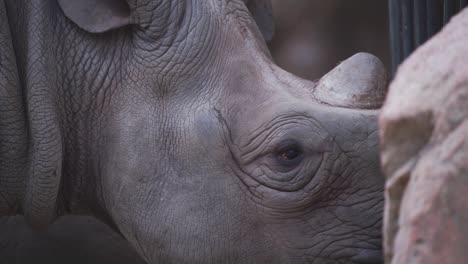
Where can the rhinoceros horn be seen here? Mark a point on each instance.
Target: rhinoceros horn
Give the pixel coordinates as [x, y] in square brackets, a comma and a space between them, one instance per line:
[358, 82]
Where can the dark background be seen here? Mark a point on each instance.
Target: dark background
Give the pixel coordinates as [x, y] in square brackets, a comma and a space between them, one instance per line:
[312, 36]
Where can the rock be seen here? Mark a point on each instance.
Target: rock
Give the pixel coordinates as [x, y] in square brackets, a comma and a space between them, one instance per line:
[424, 152]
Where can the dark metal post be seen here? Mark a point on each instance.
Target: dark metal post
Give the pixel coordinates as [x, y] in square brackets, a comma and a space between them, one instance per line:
[420, 27]
[395, 29]
[449, 10]
[412, 22]
[434, 16]
[407, 27]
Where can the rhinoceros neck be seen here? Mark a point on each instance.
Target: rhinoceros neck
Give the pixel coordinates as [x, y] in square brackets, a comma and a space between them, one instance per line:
[66, 77]
[41, 139]
[13, 125]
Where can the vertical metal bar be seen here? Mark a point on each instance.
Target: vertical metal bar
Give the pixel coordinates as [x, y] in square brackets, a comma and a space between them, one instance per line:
[407, 27]
[419, 15]
[449, 10]
[434, 17]
[462, 4]
[395, 29]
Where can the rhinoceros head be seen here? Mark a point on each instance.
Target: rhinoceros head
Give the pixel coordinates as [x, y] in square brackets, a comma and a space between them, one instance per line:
[190, 141]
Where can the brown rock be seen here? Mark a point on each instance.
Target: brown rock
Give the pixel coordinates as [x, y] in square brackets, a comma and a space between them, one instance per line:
[424, 152]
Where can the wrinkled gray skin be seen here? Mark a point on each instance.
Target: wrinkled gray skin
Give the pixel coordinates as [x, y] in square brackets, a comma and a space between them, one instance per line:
[169, 121]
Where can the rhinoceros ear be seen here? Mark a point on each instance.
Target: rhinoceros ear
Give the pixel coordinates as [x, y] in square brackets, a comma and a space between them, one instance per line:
[262, 12]
[97, 16]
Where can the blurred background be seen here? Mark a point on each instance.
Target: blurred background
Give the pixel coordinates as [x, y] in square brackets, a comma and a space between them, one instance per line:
[313, 36]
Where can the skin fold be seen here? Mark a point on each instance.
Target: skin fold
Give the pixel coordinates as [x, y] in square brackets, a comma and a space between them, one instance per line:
[169, 121]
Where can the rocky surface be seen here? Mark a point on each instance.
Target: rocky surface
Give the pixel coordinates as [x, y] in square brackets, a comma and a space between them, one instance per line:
[424, 152]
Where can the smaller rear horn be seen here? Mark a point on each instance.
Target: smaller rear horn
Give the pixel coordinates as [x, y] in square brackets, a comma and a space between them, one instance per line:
[358, 82]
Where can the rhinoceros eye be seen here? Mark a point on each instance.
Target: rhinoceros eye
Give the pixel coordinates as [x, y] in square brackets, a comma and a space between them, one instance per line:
[289, 154]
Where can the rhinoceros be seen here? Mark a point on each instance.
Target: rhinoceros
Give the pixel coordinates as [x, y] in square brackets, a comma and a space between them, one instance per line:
[71, 240]
[170, 122]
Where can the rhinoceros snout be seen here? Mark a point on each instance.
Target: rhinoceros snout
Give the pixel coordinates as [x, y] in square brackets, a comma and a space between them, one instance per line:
[358, 82]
